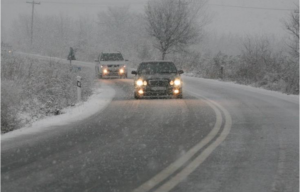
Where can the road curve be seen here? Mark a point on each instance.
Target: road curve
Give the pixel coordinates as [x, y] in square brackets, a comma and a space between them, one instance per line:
[220, 137]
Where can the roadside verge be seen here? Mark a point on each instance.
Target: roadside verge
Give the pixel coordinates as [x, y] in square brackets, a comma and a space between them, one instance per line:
[101, 97]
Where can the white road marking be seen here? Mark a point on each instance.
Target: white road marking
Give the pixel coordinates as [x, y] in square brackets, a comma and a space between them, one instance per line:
[170, 184]
[182, 160]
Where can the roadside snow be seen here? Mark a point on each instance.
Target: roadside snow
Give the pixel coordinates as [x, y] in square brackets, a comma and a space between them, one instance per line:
[98, 101]
[249, 88]
[63, 61]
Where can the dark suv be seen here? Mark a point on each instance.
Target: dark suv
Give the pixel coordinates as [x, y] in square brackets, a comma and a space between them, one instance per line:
[157, 79]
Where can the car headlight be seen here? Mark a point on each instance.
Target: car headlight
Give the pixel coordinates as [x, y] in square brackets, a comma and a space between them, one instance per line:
[140, 82]
[105, 71]
[177, 82]
[121, 71]
[175, 91]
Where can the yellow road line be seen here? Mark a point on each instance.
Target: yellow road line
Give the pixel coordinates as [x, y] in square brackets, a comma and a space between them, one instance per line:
[186, 157]
[170, 184]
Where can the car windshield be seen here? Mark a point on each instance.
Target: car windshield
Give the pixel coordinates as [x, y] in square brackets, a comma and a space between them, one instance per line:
[111, 57]
[157, 67]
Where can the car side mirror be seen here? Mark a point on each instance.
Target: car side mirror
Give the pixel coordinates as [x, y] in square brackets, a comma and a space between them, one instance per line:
[133, 72]
[180, 72]
[126, 59]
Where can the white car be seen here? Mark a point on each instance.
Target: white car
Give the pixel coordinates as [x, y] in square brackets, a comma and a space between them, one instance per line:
[111, 65]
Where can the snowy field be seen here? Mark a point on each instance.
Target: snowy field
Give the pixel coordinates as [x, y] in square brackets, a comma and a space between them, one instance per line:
[56, 59]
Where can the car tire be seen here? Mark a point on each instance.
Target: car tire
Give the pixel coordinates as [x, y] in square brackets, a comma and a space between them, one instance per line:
[136, 96]
[179, 96]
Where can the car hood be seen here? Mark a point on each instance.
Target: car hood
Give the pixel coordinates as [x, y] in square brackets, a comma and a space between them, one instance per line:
[159, 76]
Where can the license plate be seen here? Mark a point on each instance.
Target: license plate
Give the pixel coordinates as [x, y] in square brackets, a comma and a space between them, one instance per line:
[158, 88]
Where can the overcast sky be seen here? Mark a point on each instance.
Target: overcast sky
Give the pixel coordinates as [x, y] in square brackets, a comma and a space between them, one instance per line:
[241, 17]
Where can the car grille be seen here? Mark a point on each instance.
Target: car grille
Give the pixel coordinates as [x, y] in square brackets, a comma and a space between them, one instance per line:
[113, 70]
[158, 83]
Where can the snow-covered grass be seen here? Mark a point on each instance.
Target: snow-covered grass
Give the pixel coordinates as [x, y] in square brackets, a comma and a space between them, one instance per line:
[33, 88]
[248, 88]
[98, 101]
[273, 87]
[56, 59]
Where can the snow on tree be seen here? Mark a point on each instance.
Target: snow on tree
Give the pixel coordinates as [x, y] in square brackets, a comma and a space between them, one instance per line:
[293, 28]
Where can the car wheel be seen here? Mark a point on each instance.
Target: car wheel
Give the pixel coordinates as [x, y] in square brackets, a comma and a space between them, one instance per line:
[179, 96]
[136, 96]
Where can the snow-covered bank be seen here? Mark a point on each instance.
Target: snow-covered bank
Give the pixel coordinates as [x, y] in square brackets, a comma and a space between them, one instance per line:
[98, 101]
[34, 87]
[57, 59]
[248, 88]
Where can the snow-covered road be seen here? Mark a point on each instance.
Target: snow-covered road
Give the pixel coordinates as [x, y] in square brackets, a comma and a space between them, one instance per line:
[220, 137]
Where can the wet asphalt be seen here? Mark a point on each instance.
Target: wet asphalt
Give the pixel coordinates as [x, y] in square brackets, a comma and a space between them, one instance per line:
[130, 141]
[116, 149]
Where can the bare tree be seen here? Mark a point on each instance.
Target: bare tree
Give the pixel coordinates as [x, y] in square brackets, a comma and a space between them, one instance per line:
[293, 27]
[174, 24]
[256, 58]
[120, 27]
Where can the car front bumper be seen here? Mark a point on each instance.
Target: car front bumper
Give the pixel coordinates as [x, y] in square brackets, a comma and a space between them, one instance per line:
[158, 91]
[112, 74]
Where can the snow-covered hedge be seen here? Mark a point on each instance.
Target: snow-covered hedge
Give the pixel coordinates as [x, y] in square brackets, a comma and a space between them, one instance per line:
[259, 64]
[34, 88]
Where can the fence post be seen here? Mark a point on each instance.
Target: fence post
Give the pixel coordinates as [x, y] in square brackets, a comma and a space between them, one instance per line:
[78, 89]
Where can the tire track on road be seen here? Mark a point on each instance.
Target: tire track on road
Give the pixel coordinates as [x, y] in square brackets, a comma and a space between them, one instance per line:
[175, 166]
